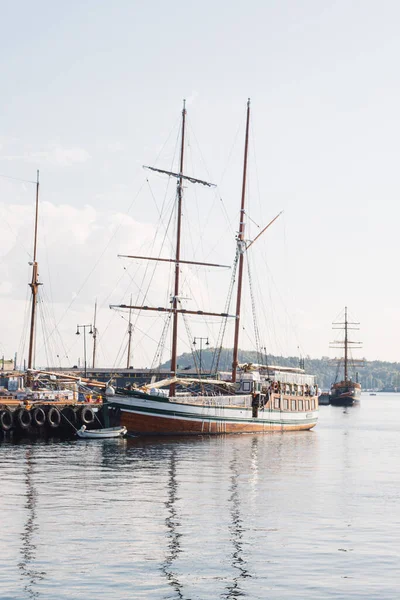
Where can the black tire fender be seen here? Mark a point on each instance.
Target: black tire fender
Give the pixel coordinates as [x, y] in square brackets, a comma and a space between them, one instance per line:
[24, 418]
[87, 415]
[53, 417]
[6, 419]
[38, 416]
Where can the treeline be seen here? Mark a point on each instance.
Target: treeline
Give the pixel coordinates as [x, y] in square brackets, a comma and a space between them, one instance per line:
[371, 374]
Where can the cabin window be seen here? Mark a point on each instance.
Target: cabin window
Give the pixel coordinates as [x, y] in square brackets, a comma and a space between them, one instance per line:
[285, 404]
[300, 404]
[293, 404]
[246, 386]
[277, 403]
[307, 405]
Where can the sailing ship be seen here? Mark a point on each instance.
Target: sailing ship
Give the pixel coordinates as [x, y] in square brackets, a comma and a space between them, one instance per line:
[346, 392]
[254, 399]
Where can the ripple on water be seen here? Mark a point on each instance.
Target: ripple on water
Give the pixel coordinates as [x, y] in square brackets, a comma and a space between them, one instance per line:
[302, 515]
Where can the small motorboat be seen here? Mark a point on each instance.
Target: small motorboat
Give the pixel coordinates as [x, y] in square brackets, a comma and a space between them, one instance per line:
[97, 434]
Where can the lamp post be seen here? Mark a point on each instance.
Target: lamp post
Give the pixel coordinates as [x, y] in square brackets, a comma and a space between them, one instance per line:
[78, 327]
[201, 347]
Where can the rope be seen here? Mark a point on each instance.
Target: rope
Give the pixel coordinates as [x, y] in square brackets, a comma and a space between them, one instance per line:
[72, 425]
[253, 307]
[161, 344]
[221, 334]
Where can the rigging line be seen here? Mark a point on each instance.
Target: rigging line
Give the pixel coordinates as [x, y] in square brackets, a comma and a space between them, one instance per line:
[222, 331]
[52, 318]
[156, 363]
[253, 306]
[43, 324]
[190, 338]
[200, 242]
[155, 265]
[98, 260]
[239, 130]
[161, 210]
[178, 121]
[191, 130]
[153, 272]
[120, 353]
[200, 237]
[160, 221]
[106, 301]
[252, 220]
[272, 337]
[25, 327]
[49, 305]
[253, 128]
[28, 252]
[287, 314]
[18, 179]
[231, 227]
[144, 333]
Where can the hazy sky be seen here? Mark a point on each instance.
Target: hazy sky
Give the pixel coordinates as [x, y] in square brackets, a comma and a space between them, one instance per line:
[92, 90]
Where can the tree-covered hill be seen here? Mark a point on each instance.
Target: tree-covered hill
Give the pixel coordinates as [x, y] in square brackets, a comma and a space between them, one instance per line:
[372, 374]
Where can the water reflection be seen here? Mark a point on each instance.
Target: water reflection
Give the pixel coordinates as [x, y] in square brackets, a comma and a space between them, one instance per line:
[236, 529]
[30, 576]
[172, 523]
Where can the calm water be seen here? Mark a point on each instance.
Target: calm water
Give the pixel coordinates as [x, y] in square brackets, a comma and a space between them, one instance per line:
[298, 515]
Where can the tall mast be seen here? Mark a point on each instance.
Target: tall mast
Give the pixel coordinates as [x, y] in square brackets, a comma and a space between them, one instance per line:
[241, 245]
[94, 336]
[177, 255]
[34, 285]
[128, 358]
[345, 343]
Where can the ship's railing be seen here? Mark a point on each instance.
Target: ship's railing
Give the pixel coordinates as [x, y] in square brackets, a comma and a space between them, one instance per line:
[237, 401]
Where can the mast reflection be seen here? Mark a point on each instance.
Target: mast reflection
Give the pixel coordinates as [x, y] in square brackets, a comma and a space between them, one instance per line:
[236, 529]
[172, 523]
[29, 574]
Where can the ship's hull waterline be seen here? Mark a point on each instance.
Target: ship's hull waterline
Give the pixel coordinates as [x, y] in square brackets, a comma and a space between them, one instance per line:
[160, 416]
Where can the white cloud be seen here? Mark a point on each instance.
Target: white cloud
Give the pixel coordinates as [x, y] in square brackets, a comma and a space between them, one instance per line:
[77, 256]
[53, 154]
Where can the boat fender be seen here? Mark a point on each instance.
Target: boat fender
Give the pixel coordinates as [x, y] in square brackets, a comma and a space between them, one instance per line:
[24, 418]
[54, 417]
[87, 415]
[110, 391]
[38, 416]
[6, 419]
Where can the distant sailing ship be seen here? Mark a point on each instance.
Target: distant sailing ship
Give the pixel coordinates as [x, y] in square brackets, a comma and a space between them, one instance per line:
[346, 392]
[255, 398]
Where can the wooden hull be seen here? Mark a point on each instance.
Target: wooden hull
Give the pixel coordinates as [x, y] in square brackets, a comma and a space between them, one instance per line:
[148, 415]
[345, 393]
